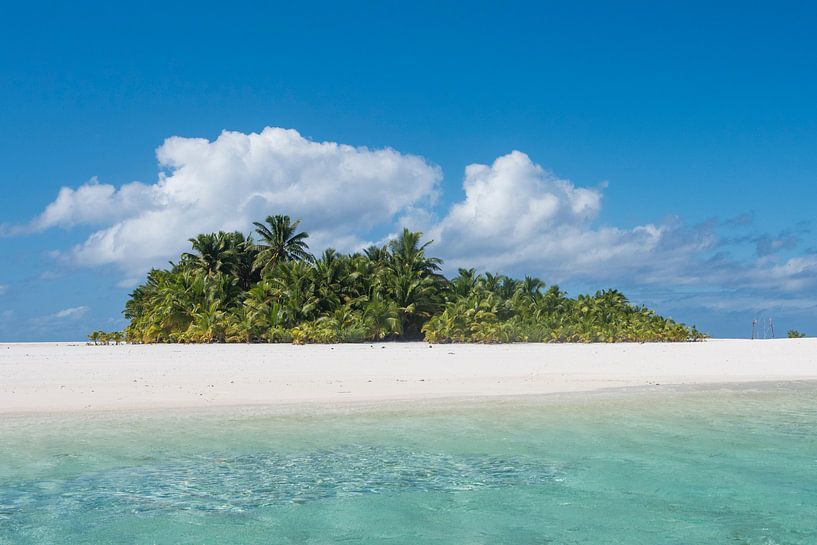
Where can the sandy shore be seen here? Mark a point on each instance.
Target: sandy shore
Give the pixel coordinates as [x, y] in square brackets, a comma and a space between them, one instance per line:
[52, 377]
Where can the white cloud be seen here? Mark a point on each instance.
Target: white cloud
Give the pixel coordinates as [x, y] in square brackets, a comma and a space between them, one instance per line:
[68, 321]
[515, 217]
[793, 274]
[518, 216]
[70, 313]
[339, 191]
[94, 204]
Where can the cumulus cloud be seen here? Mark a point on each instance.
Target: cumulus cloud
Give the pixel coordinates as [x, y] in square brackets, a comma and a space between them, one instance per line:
[93, 204]
[514, 216]
[513, 200]
[340, 191]
[518, 216]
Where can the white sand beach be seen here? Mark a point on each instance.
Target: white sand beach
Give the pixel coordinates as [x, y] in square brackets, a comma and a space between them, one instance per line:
[57, 377]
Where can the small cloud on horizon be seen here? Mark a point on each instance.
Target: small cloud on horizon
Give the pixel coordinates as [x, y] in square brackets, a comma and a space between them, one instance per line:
[70, 313]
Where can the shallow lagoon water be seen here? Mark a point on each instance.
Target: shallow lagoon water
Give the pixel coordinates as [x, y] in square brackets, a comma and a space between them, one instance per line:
[671, 466]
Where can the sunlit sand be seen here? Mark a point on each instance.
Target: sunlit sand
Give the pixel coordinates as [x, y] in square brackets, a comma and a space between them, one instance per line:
[52, 377]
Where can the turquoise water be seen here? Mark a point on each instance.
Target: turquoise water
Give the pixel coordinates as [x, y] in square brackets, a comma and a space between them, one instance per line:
[675, 467]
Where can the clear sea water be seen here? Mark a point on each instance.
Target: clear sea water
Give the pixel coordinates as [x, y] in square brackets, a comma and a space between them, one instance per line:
[731, 466]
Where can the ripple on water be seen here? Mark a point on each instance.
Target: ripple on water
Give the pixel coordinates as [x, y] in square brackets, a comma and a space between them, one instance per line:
[714, 466]
[219, 481]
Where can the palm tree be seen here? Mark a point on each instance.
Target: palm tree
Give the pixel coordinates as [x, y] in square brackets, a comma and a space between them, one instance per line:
[381, 319]
[332, 280]
[530, 287]
[416, 295]
[279, 242]
[507, 287]
[242, 266]
[364, 274]
[243, 325]
[412, 281]
[448, 326]
[377, 254]
[230, 289]
[209, 324]
[342, 325]
[464, 282]
[293, 285]
[407, 251]
[493, 282]
[213, 253]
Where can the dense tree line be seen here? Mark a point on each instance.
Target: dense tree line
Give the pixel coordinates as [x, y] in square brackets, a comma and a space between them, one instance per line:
[231, 288]
[105, 337]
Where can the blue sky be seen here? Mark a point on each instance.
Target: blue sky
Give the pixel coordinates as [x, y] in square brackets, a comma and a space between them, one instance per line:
[670, 150]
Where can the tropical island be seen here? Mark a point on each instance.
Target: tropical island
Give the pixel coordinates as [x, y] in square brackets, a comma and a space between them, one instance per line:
[230, 288]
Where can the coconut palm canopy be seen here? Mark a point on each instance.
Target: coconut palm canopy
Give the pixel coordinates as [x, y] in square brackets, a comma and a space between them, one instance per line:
[229, 288]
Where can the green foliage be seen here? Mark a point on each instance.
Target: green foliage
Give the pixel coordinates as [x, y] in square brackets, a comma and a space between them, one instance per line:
[104, 337]
[491, 313]
[279, 242]
[230, 289]
[794, 334]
